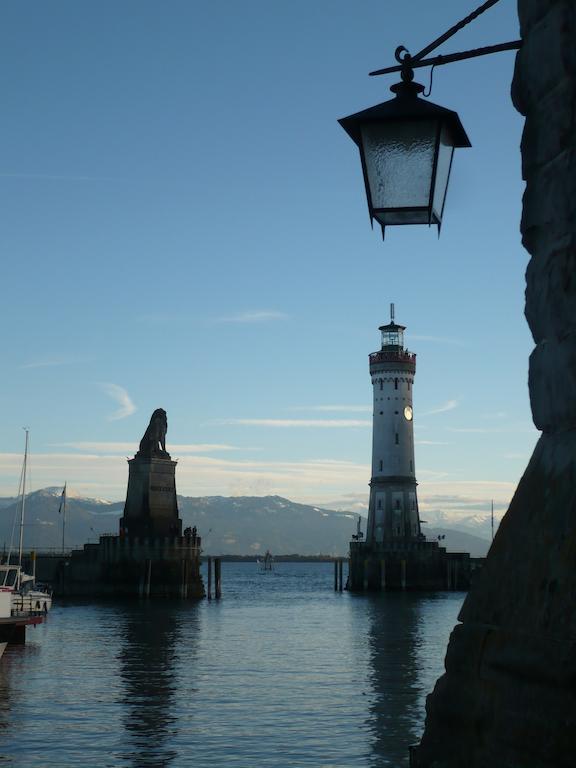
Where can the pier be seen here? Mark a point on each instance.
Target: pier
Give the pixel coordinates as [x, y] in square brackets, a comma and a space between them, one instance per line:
[217, 562]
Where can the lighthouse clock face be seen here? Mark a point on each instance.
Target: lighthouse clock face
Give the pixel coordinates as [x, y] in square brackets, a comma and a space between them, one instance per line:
[408, 413]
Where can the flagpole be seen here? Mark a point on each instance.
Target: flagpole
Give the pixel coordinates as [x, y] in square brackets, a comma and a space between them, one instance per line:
[492, 519]
[63, 516]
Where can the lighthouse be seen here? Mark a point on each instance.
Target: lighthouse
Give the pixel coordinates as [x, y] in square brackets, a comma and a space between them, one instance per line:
[393, 507]
[395, 554]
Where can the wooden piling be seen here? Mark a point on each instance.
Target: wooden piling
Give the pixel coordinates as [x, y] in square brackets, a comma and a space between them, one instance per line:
[209, 591]
[340, 574]
[365, 576]
[218, 577]
[335, 575]
[383, 575]
[148, 577]
[18, 635]
[403, 573]
[182, 578]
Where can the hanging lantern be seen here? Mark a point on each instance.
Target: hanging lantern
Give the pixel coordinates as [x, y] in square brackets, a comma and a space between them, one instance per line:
[406, 146]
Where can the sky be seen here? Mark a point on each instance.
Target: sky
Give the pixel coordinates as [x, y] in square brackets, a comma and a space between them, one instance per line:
[184, 226]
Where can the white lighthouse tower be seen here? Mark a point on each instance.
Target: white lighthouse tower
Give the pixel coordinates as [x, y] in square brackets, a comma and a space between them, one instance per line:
[393, 510]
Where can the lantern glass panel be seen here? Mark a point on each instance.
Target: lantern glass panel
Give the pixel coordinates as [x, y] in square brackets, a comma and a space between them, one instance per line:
[393, 338]
[445, 152]
[399, 159]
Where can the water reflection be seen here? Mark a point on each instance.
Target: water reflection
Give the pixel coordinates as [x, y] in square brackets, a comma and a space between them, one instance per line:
[149, 660]
[396, 708]
[13, 669]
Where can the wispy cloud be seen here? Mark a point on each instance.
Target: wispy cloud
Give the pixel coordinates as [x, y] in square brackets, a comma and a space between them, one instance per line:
[437, 340]
[449, 405]
[43, 363]
[475, 430]
[161, 319]
[282, 423]
[122, 448]
[430, 442]
[197, 475]
[121, 396]
[516, 428]
[50, 177]
[253, 316]
[51, 362]
[318, 482]
[334, 408]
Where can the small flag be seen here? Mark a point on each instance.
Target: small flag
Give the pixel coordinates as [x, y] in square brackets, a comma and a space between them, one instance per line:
[62, 499]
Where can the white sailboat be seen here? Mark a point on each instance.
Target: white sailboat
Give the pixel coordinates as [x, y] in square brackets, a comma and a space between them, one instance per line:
[26, 596]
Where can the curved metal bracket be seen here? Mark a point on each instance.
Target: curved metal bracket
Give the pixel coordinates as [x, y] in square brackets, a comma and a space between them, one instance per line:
[408, 63]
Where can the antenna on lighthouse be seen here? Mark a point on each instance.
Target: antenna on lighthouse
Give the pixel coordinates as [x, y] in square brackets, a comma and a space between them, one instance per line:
[391, 313]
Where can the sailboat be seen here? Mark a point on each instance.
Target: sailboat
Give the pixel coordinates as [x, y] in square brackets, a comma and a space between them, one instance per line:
[267, 562]
[26, 596]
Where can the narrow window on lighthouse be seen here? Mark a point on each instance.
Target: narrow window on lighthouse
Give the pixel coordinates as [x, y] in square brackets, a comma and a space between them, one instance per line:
[379, 503]
[397, 441]
[381, 384]
[380, 465]
[395, 383]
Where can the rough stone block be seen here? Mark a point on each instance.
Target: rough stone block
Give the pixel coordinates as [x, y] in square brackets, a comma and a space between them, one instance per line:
[547, 56]
[551, 290]
[552, 131]
[552, 384]
[550, 196]
[530, 12]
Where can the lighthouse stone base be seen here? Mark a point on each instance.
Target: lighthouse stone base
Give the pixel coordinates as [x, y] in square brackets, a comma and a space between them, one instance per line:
[407, 564]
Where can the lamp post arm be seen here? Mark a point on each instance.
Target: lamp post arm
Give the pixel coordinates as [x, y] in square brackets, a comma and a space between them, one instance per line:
[452, 31]
[436, 61]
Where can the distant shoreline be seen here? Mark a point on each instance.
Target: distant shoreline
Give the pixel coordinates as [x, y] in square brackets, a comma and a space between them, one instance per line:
[278, 558]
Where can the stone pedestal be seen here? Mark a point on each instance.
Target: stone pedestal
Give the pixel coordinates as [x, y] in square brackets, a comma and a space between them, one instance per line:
[151, 508]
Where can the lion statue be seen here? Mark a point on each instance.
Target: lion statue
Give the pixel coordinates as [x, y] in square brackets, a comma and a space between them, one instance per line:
[154, 441]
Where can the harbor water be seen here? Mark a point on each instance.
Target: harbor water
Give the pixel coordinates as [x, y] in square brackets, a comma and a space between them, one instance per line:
[281, 672]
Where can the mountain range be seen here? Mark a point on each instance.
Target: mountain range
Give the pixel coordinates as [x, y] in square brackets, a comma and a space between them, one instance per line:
[237, 525]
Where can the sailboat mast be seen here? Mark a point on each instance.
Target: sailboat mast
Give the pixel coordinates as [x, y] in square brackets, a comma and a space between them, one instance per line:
[22, 508]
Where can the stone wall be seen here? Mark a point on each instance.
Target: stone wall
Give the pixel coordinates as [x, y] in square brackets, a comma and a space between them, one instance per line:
[508, 697]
